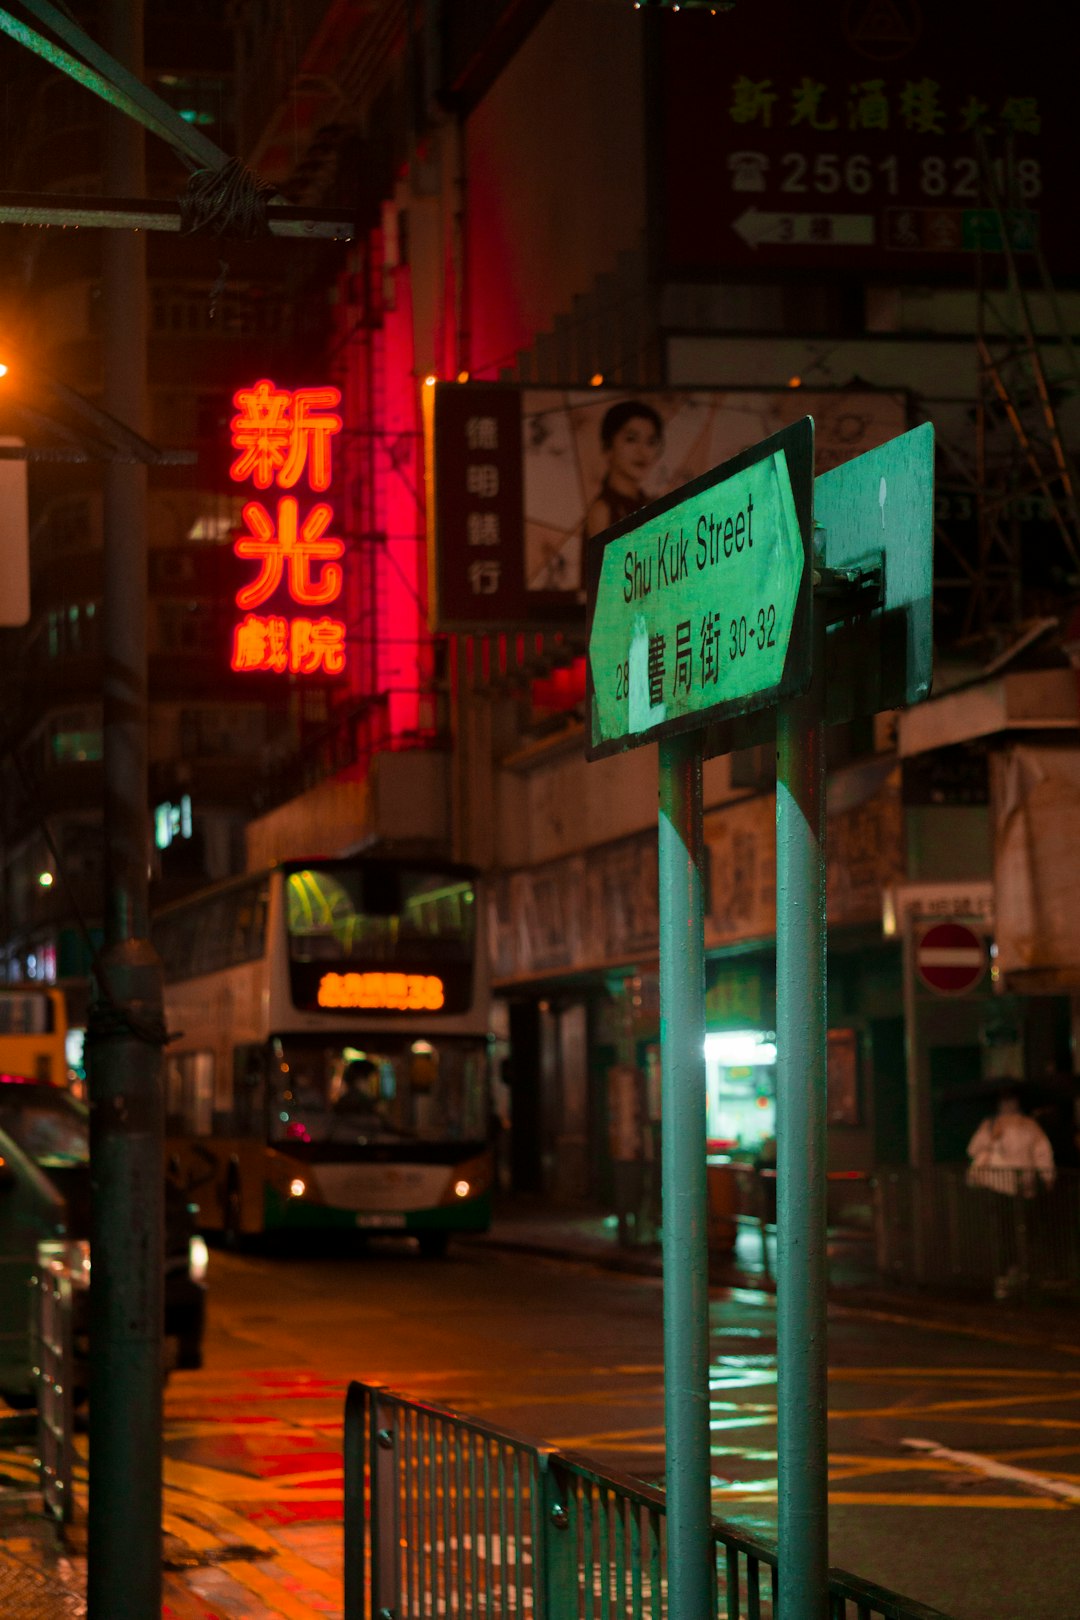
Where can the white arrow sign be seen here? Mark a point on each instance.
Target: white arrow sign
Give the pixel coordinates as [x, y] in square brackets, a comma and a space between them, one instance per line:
[755, 226]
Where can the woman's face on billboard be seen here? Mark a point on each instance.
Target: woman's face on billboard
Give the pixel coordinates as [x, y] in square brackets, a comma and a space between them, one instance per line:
[634, 449]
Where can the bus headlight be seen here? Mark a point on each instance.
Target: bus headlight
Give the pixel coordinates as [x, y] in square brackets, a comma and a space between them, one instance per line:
[462, 1189]
[297, 1187]
[198, 1259]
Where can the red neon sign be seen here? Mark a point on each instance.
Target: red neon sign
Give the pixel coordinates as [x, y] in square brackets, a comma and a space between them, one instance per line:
[285, 436]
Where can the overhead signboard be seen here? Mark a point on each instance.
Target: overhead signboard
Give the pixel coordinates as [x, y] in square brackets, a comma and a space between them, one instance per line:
[519, 479]
[700, 603]
[860, 135]
[285, 440]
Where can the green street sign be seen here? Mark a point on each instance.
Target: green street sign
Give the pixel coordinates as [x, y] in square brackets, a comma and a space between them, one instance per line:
[700, 603]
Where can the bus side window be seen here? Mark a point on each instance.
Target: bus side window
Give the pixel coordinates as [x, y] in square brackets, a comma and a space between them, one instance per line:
[199, 1092]
[249, 1090]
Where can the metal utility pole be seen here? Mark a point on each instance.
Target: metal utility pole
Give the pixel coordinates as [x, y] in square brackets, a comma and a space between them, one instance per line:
[127, 1124]
[801, 1275]
[685, 1235]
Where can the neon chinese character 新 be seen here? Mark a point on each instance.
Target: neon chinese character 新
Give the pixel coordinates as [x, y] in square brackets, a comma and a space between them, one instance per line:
[311, 435]
[280, 432]
[262, 432]
[293, 548]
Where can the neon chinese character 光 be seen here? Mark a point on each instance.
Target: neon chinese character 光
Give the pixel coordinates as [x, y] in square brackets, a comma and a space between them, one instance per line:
[292, 549]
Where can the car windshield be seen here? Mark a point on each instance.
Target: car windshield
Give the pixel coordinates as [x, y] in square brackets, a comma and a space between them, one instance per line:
[49, 1126]
[389, 1089]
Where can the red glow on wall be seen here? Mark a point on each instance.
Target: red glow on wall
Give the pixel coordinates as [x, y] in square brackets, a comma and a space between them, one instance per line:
[285, 437]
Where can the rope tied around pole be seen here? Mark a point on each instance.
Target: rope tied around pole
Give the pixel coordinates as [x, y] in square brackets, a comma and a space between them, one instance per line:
[230, 201]
[106, 1019]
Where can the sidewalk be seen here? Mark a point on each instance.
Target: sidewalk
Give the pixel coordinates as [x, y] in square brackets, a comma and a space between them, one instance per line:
[854, 1281]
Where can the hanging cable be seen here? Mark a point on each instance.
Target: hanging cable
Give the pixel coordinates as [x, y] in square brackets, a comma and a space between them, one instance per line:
[230, 201]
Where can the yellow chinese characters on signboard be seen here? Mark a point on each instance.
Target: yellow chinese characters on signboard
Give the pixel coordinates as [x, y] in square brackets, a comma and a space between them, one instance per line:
[390, 992]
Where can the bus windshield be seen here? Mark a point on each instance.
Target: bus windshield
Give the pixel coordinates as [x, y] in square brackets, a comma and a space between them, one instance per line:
[391, 1088]
[379, 912]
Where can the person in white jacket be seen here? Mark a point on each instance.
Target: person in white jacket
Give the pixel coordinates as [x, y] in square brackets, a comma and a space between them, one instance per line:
[1010, 1155]
[1010, 1150]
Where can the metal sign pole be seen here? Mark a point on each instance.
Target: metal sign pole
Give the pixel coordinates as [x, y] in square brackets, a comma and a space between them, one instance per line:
[685, 1241]
[801, 1279]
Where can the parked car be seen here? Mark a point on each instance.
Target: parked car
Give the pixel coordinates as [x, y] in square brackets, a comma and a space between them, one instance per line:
[45, 1195]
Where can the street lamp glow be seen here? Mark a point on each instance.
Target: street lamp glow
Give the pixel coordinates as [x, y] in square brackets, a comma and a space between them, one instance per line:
[45, 879]
[3, 369]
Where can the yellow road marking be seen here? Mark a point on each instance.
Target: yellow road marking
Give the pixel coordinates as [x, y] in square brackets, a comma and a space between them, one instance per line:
[191, 1534]
[974, 1404]
[1042, 1504]
[255, 1535]
[981, 1375]
[918, 1499]
[276, 1597]
[1040, 1451]
[957, 1330]
[213, 1483]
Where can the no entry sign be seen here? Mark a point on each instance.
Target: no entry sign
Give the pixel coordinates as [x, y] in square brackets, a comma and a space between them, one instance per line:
[950, 958]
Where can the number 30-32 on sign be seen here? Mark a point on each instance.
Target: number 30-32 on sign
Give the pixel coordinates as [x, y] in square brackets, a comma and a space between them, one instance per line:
[700, 602]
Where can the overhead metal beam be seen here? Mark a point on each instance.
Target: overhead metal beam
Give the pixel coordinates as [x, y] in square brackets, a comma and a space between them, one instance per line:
[105, 76]
[153, 214]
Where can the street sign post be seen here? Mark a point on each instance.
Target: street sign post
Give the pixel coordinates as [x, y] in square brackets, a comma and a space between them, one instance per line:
[700, 603]
[700, 608]
[702, 613]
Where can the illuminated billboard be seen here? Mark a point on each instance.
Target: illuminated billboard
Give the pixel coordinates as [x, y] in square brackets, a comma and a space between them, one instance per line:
[894, 137]
[284, 439]
[520, 478]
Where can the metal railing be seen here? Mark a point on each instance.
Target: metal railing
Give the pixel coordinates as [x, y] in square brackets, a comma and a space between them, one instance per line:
[1009, 1234]
[448, 1516]
[61, 1269]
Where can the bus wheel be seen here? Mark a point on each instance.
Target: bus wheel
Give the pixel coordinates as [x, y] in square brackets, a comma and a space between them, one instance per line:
[433, 1245]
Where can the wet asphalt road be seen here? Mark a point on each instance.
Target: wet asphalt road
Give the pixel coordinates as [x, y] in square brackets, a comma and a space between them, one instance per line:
[569, 1354]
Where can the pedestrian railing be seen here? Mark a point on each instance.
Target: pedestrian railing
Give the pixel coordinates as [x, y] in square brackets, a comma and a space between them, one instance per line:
[449, 1516]
[1009, 1233]
[61, 1269]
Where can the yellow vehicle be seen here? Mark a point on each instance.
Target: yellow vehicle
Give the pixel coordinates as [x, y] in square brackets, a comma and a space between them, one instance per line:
[33, 1032]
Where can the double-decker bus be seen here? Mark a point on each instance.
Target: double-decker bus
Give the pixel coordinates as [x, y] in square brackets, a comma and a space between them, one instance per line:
[33, 1034]
[330, 1061]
